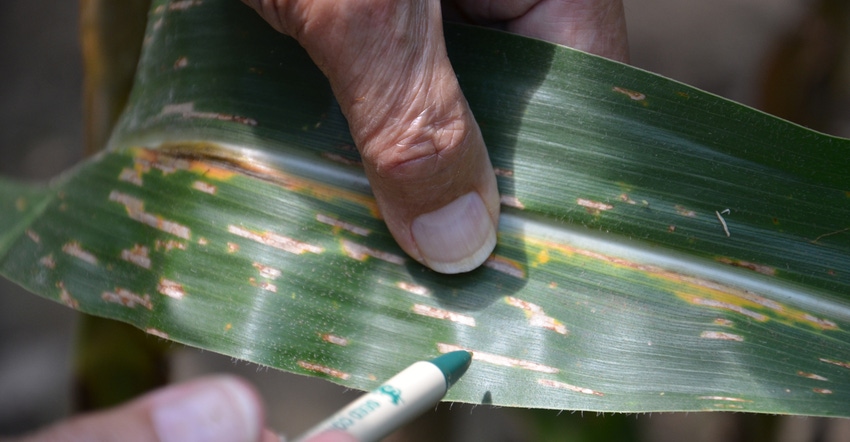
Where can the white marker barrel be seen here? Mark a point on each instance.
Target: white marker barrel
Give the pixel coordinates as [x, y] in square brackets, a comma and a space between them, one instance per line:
[396, 402]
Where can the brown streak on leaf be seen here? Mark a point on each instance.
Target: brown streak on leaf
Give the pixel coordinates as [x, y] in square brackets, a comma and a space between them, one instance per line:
[317, 368]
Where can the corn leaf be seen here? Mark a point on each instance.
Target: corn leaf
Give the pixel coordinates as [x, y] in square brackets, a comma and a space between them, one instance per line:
[660, 248]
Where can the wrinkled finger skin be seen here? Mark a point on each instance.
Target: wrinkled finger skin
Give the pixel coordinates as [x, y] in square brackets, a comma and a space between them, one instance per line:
[422, 150]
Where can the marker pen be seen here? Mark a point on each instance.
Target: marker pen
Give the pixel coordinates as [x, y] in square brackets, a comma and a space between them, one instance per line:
[397, 401]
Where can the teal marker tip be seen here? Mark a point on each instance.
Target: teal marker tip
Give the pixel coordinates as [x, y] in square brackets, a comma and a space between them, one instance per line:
[453, 365]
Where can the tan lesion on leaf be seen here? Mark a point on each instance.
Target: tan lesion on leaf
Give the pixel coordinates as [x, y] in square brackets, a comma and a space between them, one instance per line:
[169, 245]
[182, 5]
[721, 336]
[65, 296]
[127, 298]
[136, 211]
[723, 398]
[634, 95]
[35, 237]
[132, 176]
[334, 339]
[437, 313]
[204, 187]
[75, 249]
[157, 333]
[495, 359]
[570, 387]
[275, 240]
[170, 288]
[187, 110]
[593, 207]
[413, 288]
[814, 376]
[505, 265]
[267, 272]
[836, 363]
[361, 252]
[265, 285]
[343, 225]
[318, 368]
[822, 390]
[758, 268]
[511, 201]
[536, 316]
[138, 255]
[48, 261]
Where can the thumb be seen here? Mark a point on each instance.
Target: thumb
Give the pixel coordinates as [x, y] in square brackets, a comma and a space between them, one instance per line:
[421, 147]
[211, 409]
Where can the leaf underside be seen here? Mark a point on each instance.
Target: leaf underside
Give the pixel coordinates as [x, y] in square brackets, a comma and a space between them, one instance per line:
[230, 213]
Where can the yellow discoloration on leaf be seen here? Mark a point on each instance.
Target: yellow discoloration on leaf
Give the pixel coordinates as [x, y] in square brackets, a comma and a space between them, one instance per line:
[505, 265]
[215, 162]
[541, 258]
[495, 359]
[318, 368]
[437, 313]
[21, 204]
[565, 386]
[695, 291]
